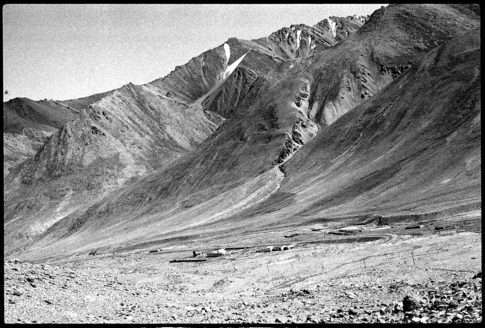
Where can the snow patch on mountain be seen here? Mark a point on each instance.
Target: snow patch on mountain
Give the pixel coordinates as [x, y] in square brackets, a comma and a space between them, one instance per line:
[298, 37]
[227, 50]
[233, 66]
[333, 27]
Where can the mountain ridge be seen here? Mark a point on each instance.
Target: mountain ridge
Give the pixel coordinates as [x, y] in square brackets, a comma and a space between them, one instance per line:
[236, 143]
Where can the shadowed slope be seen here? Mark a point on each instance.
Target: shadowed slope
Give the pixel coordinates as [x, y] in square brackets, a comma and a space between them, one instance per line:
[412, 148]
[390, 42]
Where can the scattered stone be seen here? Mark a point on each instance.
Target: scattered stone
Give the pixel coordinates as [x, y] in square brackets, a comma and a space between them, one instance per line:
[17, 292]
[350, 295]
[280, 320]
[353, 312]
[453, 304]
[410, 303]
[458, 317]
[432, 302]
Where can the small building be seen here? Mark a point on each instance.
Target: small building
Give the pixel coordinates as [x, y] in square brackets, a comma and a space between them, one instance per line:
[287, 247]
[217, 253]
[414, 227]
[265, 250]
[199, 254]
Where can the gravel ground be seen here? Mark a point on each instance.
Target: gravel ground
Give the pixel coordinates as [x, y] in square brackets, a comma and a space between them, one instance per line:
[404, 279]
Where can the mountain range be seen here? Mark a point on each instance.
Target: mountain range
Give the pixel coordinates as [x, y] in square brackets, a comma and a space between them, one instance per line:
[349, 119]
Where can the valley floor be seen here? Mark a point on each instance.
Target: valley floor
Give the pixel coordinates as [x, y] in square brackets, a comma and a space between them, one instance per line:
[348, 281]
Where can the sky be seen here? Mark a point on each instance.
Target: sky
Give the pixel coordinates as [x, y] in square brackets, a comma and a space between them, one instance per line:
[67, 51]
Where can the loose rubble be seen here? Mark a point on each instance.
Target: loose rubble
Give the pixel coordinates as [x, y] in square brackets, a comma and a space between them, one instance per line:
[434, 302]
[253, 287]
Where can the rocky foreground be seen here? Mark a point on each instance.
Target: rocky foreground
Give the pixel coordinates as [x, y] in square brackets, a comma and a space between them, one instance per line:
[321, 284]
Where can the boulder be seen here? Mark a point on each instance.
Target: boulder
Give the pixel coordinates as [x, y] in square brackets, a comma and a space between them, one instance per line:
[410, 303]
[453, 304]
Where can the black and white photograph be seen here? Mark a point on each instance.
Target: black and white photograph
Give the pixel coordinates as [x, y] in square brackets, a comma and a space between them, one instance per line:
[242, 164]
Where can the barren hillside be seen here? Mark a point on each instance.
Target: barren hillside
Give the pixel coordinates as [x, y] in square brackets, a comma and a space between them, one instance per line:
[352, 117]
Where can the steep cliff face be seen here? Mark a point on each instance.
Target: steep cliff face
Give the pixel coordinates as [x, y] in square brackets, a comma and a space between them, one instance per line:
[263, 132]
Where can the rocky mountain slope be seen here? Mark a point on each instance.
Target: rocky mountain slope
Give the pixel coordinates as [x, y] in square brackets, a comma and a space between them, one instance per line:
[414, 146]
[354, 116]
[27, 124]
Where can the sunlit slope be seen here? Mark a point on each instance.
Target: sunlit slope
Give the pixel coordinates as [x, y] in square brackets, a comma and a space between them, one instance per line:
[122, 136]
